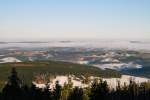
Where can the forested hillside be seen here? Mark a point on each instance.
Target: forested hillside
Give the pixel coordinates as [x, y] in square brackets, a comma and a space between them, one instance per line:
[28, 70]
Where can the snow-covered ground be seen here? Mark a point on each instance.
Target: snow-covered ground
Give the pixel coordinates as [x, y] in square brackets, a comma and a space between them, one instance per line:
[119, 66]
[112, 82]
[125, 79]
[64, 79]
[9, 59]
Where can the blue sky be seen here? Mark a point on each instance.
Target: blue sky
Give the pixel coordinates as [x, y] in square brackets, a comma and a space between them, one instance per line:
[75, 18]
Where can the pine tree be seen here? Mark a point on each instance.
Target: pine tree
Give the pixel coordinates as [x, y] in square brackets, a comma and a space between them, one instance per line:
[57, 91]
[66, 89]
[76, 94]
[12, 90]
[99, 90]
[47, 94]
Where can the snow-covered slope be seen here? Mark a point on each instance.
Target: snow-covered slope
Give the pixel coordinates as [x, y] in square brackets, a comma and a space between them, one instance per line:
[125, 79]
[112, 82]
[9, 59]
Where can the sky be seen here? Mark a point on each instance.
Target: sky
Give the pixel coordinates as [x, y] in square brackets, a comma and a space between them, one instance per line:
[74, 19]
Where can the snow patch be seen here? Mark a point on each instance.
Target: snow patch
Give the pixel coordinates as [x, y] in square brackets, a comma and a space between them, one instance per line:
[119, 66]
[9, 59]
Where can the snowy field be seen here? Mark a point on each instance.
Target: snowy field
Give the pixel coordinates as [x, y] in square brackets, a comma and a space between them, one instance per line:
[112, 82]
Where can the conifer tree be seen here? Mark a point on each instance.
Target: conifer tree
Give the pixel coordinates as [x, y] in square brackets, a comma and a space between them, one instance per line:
[76, 94]
[12, 90]
[99, 90]
[57, 91]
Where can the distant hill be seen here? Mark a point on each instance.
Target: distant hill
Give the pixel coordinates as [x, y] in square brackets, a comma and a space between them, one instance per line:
[27, 70]
[143, 59]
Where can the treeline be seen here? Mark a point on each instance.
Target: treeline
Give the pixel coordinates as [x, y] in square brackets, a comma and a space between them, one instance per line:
[15, 89]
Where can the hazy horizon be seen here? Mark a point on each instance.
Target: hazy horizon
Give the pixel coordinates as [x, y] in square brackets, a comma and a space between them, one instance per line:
[69, 39]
